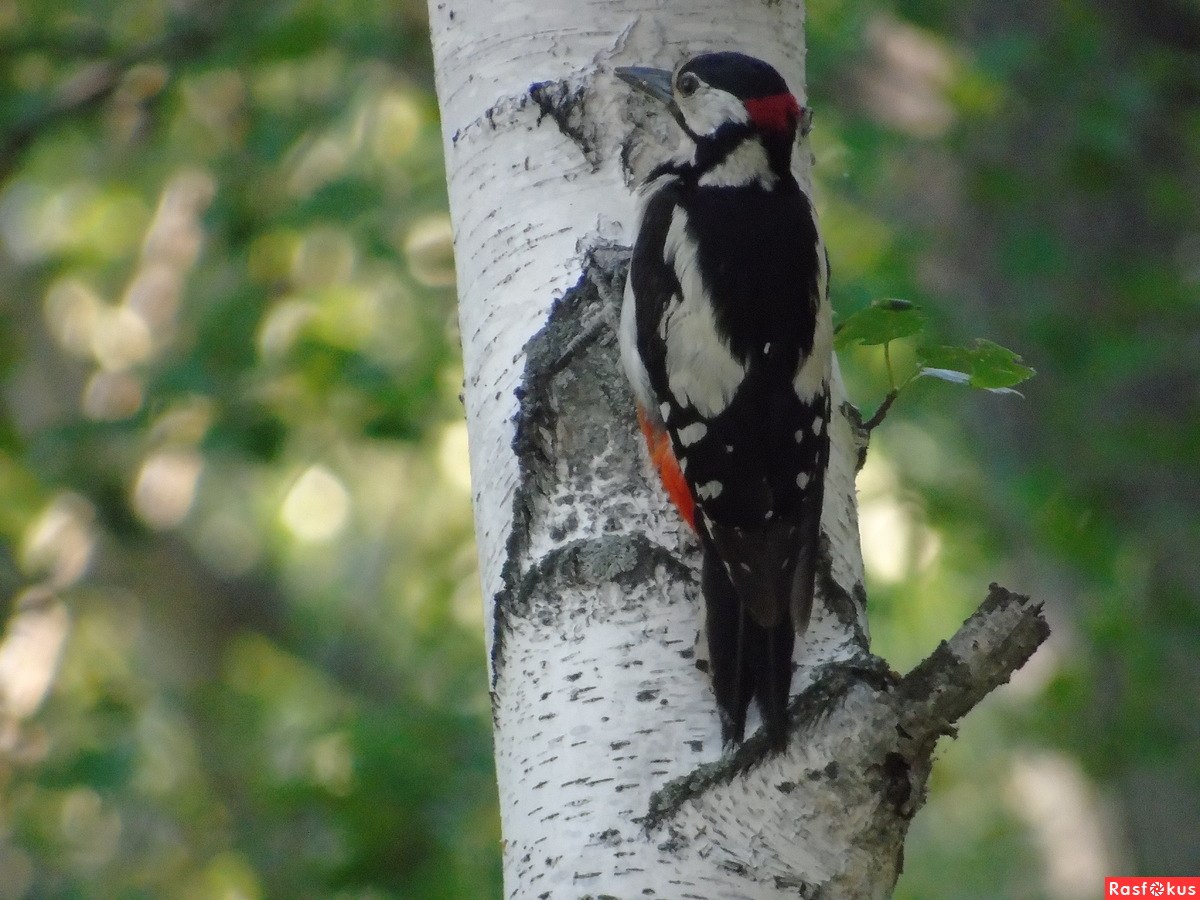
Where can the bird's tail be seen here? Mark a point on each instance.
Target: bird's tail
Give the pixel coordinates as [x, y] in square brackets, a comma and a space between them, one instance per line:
[747, 659]
[758, 587]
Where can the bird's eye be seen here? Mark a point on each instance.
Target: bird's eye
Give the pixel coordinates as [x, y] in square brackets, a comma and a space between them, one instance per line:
[687, 84]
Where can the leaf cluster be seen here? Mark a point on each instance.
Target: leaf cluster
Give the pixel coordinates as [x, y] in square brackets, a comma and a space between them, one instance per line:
[982, 364]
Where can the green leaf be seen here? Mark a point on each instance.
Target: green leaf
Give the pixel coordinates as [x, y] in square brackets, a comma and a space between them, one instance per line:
[984, 365]
[882, 321]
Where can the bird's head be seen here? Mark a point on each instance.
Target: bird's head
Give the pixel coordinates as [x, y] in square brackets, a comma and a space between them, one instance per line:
[715, 94]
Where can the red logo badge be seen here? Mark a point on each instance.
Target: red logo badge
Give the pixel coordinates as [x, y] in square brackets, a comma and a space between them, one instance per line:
[1152, 887]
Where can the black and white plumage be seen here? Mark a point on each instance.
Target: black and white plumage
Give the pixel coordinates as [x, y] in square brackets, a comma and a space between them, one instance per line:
[726, 337]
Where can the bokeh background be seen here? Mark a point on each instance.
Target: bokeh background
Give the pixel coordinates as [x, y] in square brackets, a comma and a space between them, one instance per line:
[242, 651]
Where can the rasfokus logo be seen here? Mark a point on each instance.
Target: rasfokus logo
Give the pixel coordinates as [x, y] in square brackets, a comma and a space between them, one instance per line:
[1152, 887]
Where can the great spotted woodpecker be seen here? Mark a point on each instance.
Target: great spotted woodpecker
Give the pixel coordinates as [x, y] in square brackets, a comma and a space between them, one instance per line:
[726, 337]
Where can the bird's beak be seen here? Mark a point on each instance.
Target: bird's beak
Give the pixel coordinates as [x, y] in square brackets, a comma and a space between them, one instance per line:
[655, 82]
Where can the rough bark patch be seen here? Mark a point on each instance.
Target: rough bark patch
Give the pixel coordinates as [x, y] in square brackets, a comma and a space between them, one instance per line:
[576, 322]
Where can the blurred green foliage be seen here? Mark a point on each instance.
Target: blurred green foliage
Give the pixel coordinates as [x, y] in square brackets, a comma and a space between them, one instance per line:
[232, 459]
[243, 653]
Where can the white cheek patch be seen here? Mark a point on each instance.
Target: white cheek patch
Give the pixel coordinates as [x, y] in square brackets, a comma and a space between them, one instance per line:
[701, 370]
[709, 108]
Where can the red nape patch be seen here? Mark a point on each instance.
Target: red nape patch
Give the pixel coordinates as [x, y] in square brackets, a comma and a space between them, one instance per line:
[779, 112]
[663, 457]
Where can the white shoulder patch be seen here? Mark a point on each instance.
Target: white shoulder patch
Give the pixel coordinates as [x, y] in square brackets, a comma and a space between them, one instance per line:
[812, 375]
[701, 371]
[639, 379]
[709, 108]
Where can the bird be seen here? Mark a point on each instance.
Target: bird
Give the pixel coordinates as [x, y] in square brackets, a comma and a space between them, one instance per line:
[726, 338]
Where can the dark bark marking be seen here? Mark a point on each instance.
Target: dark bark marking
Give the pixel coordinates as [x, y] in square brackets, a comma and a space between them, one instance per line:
[848, 608]
[565, 102]
[897, 787]
[862, 434]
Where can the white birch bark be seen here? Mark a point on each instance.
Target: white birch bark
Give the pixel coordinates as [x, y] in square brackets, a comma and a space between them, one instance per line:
[612, 780]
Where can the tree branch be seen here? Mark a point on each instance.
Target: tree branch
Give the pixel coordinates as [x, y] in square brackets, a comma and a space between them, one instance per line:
[982, 655]
[862, 739]
[877, 419]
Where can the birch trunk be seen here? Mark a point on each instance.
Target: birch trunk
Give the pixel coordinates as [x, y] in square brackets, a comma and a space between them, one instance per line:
[609, 761]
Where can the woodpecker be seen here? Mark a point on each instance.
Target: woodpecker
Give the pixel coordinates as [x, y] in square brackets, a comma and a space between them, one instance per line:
[726, 337]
